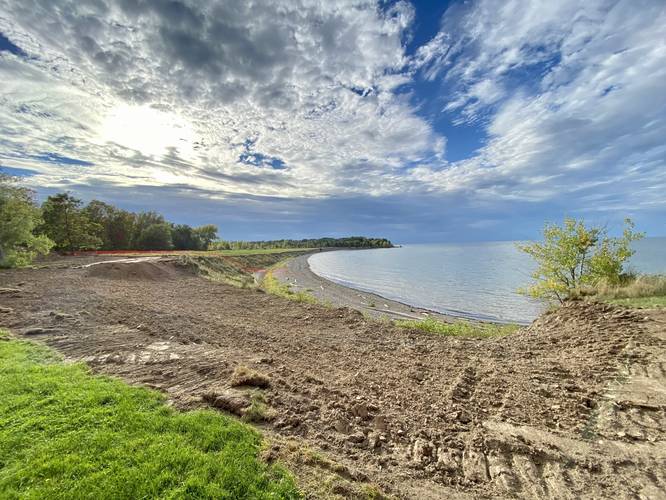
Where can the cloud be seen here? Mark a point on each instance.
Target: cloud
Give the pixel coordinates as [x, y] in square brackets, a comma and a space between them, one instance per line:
[310, 102]
[310, 87]
[571, 96]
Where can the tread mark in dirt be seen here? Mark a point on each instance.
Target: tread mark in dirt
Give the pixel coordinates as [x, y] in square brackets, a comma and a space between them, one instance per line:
[463, 387]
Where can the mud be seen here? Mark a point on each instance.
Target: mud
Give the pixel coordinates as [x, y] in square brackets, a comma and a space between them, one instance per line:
[574, 406]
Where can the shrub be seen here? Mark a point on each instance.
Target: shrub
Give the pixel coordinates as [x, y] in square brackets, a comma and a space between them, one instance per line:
[573, 256]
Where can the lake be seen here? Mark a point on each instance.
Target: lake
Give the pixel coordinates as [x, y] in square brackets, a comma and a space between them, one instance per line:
[471, 280]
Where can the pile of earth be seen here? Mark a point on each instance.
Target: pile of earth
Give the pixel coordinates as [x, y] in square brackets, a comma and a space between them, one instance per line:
[145, 269]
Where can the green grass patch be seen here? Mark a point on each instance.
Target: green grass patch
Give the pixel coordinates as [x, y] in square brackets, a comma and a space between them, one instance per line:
[68, 434]
[459, 328]
[272, 285]
[268, 251]
[643, 291]
[640, 302]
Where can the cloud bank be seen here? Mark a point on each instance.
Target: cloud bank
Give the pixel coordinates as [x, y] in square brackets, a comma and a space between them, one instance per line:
[316, 110]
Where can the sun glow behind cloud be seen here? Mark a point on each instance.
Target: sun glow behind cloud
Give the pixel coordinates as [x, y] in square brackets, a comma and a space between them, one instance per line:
[147, 130]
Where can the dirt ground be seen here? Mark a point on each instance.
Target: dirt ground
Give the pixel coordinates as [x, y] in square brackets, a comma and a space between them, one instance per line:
[574, 406]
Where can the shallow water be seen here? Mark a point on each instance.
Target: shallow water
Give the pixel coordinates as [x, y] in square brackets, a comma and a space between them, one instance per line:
[474, 280]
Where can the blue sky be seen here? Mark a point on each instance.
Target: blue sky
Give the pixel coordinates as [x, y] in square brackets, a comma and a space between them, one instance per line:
[419, 121]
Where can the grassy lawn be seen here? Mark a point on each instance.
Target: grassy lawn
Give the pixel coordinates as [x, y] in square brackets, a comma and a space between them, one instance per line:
[459, 328]
[65, 433]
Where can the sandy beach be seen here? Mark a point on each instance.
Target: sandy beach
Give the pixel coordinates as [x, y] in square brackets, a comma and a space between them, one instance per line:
[297, 273]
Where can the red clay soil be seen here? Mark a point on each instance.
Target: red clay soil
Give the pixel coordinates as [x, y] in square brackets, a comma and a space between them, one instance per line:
[573, 406]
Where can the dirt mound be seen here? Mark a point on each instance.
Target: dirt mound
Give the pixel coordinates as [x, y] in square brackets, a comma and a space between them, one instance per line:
[139, 269]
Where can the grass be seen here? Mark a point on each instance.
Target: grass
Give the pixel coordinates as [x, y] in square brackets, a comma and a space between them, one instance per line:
[67, 434]
[640, 302]
[258, 410]
[647, 291]
[237, 268]
[459, 328]
[272, 285]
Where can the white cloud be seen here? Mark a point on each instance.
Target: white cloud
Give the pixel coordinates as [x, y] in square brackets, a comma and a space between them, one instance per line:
[311, 84]
[570, 95]
[573, 95]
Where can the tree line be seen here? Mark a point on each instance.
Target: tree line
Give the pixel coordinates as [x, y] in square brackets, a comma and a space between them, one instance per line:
[73, 226]
[64, 223]
[348, 242]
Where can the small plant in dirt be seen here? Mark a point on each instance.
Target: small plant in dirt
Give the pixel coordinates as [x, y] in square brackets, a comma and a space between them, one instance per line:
[573, 257]
[258, 411]
[272, 285]
[457, 329]
[373, 492]
[246, 376]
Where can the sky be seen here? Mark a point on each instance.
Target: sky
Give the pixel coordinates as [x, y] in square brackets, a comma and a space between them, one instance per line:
[418, 121]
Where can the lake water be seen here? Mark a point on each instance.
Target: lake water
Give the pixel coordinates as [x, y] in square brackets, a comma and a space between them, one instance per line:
[473, 280]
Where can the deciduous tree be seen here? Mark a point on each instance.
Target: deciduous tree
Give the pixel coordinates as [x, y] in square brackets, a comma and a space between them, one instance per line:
[67, 225]
[19, 216]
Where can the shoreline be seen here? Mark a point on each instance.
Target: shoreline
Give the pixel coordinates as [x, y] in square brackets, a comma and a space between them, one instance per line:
[297, 273]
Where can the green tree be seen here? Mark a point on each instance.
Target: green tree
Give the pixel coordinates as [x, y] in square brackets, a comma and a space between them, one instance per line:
[185, 238]
[19, 216]
[142, 222]
[207, 234]
[155, 237]
[573, 256]
[67, 225]
[117, 225]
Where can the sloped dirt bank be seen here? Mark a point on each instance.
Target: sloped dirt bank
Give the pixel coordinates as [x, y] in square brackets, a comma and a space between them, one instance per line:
[571, 407]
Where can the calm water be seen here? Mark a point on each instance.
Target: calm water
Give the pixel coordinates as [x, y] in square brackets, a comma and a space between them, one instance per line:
[477, 280]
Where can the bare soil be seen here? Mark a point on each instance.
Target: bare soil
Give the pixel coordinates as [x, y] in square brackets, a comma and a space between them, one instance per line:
[573, 406]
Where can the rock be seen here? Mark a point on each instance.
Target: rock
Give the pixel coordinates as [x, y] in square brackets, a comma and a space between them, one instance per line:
[357, 438]
[6, 310]
[380, 423]
[475, 465]
[9, 291]
[422, 451]
[232, 402]
[36, 331]
[500, 470]
[375, 440]
[263, 360]
[448, 459]
[464, 417]
[341, 425]
[360, 410]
